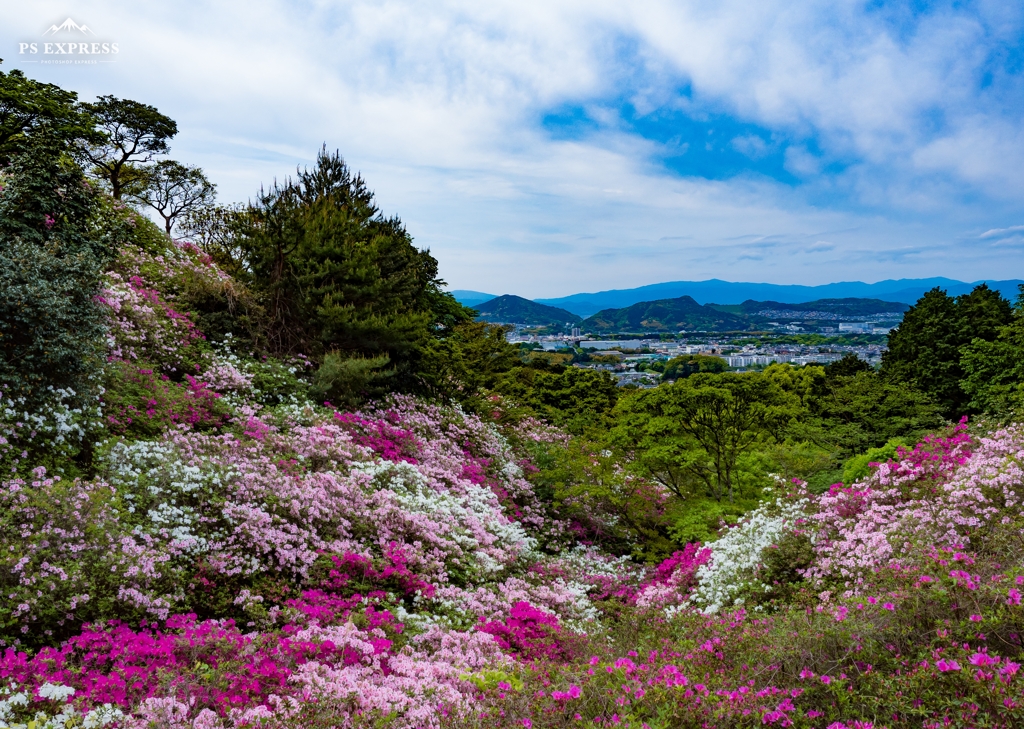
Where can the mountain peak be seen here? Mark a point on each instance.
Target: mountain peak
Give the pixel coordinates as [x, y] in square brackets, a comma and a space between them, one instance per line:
[511, 309]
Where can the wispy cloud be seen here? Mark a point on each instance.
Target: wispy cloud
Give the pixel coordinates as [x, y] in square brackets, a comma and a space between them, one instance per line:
[1000, 232]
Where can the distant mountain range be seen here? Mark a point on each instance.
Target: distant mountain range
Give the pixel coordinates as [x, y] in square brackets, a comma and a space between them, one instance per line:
[820, 310]
[904, 291]
[666, 315]
[684, 313]
[472, 299]
[510, 309]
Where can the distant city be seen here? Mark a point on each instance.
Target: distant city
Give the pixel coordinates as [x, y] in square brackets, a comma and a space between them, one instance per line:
[632, 337]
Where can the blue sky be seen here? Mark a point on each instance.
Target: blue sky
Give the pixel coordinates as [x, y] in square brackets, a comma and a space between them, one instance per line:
[542, 147]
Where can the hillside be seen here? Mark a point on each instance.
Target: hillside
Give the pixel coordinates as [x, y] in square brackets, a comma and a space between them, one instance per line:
[820, 310]
[666, 315]
[510, 309]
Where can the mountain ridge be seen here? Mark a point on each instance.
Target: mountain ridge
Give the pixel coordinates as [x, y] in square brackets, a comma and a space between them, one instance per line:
[511, 309]
[905, 291]
[665, 315]
[729, 293]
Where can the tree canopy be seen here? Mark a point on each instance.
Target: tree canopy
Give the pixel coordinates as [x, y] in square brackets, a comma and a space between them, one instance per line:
[129, 133]
[690, 435]
[28, 107]
[690, 364]
[924, 350]
[173, 190]
[336, 275]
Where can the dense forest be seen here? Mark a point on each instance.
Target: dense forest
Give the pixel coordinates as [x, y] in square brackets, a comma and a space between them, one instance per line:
[261, 470]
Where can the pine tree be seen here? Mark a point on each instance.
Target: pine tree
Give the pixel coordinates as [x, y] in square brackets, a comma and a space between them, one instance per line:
[339, 278]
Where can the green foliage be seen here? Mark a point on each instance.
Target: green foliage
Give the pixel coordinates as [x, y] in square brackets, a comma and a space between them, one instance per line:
[848, 366]
[859, 466]
[556, 361]
[51, 260]
[347, 382]
[578, 400]
[468, 362]
[489, 680]
[801, 382]
[700, 519]
[850, 414]
[690, 364]
[782, 568]
[277, 382]
[994, 370]
[29, 108]
[335, 275]
[925, 349]
[224, 309]
[128, 133]
[690, 435]
[586, 486]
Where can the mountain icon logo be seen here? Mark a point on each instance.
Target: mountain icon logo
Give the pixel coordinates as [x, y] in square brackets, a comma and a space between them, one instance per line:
[68, 25]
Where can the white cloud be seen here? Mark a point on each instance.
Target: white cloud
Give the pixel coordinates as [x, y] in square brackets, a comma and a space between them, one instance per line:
[1001, 232]
[438, 104]
[751, 145]
[801, 162]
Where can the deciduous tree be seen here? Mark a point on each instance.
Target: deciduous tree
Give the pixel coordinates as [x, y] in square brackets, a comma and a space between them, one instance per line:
[173, 190]
[28, 107]
[690, 435]
[129, 134]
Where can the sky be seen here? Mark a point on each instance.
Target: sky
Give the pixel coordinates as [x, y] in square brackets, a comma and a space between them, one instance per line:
[548, 147]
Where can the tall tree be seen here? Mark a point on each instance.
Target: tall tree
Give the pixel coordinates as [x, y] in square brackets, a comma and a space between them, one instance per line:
[174, 190]
[130, 133]
[994, 370]
[924, 350]
[338, 276]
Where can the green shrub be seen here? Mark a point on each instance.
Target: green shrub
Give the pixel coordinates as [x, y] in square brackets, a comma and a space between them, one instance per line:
[51, 261]
[859, 466]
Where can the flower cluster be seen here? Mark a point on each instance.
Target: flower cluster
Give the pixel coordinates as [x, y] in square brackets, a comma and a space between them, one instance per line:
[731, 568]
[941, 493]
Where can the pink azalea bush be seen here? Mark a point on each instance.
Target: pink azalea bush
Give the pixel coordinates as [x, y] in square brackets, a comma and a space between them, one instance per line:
[941, 493]
[140, 296]
[673, 579]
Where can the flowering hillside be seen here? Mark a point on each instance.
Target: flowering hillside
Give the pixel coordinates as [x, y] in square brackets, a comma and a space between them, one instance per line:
[238, 556]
